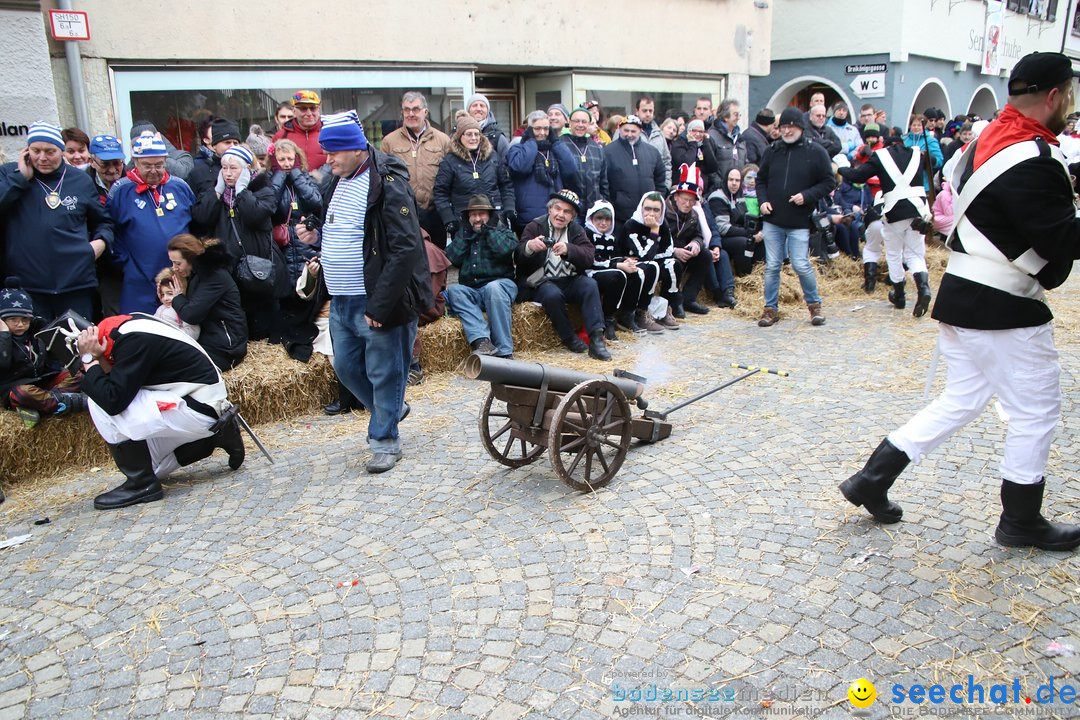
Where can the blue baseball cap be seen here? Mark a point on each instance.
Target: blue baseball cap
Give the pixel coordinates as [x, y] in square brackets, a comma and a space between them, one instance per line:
[106, 147]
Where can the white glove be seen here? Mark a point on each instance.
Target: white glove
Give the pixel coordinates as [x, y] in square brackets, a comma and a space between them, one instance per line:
[220, 187]
[243, 180]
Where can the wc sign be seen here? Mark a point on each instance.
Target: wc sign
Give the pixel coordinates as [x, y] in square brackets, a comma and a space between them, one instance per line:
[869, 85]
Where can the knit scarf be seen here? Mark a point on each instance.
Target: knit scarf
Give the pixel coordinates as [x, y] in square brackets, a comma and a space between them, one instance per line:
[1010, 128]
[546, 171]
[141, 186]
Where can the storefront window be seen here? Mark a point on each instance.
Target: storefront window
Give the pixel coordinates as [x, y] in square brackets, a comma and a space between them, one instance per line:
[177, 113]
[622, 102]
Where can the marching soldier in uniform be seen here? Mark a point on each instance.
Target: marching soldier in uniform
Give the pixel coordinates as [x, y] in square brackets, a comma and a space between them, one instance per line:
[1017, 234]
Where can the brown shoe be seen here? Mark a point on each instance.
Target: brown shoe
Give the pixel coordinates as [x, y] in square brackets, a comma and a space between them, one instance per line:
[768, 318]
[668, 321]
[645, 321]
[817, 317]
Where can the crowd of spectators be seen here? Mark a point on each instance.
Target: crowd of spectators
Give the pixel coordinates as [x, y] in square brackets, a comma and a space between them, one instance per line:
[627, 217]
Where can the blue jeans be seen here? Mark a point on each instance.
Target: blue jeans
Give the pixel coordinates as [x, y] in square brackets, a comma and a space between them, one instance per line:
[374, 364]
[469, 304]
[797, 244]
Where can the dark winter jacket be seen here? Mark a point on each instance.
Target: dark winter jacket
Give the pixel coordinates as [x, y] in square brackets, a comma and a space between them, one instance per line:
[790, 169]
[579, 251]
[590, 178]
[901, 155]
[212, 301]
[298, 196]
[455, 184]
[684, 230]
[685, 151]
[729, 215]
[1029, 207]
[730, 151]
[756, 140]
[396, 273]
[140, 359]
[49, 250]
[824, 137]
[536, 177]
[628, 182]
[22, 360]
[204, 174]
[494, 134]
[245, 231]
[485, 255]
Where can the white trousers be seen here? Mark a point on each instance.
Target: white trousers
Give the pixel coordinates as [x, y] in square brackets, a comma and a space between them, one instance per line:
[1021, 367]
[903, 246]
[875, 241]
[163, 430]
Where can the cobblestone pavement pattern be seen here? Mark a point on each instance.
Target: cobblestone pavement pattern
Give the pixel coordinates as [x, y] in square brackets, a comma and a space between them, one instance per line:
[492, 593]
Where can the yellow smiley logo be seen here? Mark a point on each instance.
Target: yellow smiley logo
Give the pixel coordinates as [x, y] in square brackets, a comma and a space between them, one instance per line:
[862, 693]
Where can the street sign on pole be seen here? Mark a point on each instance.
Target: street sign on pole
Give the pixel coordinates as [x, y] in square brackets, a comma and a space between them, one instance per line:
[69, 25]
[869, 85]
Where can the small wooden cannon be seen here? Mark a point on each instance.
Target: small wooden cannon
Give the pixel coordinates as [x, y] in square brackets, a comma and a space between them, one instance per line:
[584, 420]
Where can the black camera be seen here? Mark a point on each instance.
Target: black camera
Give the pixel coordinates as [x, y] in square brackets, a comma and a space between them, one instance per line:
[922, 226]
[313, 222]
[752, 223]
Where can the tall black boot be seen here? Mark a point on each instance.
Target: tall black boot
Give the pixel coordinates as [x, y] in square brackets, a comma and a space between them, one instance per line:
[345, 402]
[1022, 523]
[869, 276]
[869, 486]
[194, 451]
[132, 458]
[896, 295]
[922, 285]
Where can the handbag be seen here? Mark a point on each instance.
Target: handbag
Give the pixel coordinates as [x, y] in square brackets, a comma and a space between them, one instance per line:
[254, 275]
[59, 338]
[280, 233]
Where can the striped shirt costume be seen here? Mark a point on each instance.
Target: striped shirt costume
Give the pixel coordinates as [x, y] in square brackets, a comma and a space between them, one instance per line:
[343, 232]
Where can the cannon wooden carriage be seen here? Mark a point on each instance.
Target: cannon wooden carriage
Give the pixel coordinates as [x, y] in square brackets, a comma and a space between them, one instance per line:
[583, 420]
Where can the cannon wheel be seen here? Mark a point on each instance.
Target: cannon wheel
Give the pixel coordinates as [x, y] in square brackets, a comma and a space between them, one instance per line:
[495, 425]
[590, 435]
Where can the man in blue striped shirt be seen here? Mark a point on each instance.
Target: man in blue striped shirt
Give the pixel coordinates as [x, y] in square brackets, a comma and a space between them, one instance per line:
[376, 271]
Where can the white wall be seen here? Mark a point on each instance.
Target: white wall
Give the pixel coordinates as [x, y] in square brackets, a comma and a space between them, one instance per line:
[26, 81]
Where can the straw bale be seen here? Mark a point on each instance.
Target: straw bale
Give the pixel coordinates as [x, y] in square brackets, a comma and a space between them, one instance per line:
[443, 346]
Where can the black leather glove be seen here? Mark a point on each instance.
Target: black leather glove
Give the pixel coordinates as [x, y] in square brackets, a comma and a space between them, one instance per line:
[510, 218]
[527, 134]
[294, 173]
[452, 227]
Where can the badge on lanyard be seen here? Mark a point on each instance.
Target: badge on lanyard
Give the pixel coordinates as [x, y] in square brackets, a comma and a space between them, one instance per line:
[53, 200]
[635, 161]
[414, 153]
[584, 159]
[476, 176]
[295, 206]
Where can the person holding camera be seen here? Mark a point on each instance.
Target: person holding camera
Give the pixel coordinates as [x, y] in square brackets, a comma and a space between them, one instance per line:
[553, 254]
[906, 216]
[739, 231]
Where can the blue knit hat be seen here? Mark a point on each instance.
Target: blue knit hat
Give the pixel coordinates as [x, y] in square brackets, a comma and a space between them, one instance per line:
[240, 152]
[148, 145]
[45, 132]
[342, 131]
[15, 303]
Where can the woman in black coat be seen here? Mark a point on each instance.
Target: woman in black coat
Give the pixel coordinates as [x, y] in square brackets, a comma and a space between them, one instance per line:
[298, 196]
[211, 299]
[239, 211]
[471, 167]
[691, 148]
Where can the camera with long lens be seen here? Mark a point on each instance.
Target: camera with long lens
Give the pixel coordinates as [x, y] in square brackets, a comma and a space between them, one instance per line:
[826, 232]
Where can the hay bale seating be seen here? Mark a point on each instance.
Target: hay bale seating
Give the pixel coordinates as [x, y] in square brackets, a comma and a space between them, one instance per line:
[271, 387]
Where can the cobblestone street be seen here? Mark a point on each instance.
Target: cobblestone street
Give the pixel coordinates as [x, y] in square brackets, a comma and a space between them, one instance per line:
[721, 558]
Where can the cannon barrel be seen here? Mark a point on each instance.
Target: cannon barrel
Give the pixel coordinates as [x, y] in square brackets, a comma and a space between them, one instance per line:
[532, 375]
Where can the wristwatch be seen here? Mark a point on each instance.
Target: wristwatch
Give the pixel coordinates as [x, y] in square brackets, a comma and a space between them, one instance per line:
[87, 358]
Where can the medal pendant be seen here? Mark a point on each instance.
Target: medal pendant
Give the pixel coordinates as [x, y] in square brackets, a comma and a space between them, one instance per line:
[170, 205]
[584, 159]
[476, 176]
[414, 153]
[295, 206]
[53, 200]
[635, 161]
[547, 163]
[159, 212]
[232, 213]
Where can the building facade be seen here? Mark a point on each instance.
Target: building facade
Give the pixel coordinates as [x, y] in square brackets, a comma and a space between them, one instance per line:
[173, 66]
[902, 57]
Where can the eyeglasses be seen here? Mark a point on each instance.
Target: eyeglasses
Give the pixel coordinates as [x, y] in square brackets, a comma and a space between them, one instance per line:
[412, 110]
[307, 108]
[471, 134]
